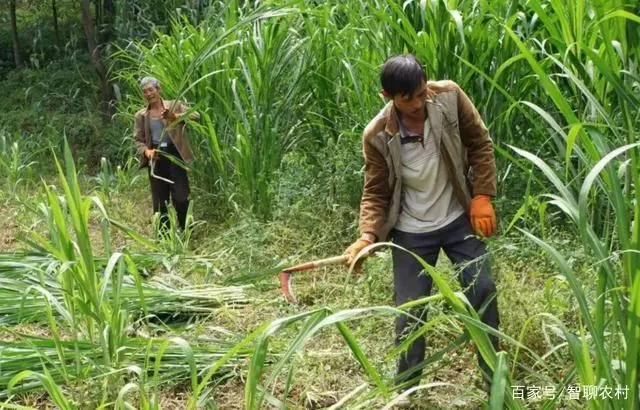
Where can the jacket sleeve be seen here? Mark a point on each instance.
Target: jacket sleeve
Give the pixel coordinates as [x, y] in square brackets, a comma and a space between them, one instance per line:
[476, 139]
[141, 144]
[376, 192]
[183, 108]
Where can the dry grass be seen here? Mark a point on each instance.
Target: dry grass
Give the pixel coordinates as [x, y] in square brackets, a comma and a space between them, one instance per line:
[10, 227]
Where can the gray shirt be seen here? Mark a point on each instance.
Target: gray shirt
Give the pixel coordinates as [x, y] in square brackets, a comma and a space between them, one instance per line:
[157, 127]
[428, 202]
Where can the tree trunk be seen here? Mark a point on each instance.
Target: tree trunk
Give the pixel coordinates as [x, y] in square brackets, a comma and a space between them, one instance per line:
[96, 61]
[56, 30]
[17, 51]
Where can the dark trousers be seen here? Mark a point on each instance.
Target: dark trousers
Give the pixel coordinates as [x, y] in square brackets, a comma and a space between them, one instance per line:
[162, 191]
[411, 282]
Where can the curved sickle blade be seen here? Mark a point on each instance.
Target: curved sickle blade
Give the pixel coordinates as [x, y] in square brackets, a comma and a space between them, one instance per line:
[285, 286]
[285, 275]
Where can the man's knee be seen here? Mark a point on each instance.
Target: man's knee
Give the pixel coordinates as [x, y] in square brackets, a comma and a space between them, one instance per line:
[485, 283]
[408, 323]
[487, 292]
[479, 288]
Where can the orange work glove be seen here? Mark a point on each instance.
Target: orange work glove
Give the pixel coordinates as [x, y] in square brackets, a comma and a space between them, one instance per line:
[483, 217]
[353, 250]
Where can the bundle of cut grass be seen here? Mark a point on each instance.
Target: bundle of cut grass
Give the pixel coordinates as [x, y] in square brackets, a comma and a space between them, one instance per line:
[25, 301]
[156, 361]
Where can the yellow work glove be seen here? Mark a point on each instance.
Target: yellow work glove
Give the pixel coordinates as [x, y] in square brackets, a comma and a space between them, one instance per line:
[353, 250]
[483, 217]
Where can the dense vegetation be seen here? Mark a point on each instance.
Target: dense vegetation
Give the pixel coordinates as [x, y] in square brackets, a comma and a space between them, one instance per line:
[96, 312]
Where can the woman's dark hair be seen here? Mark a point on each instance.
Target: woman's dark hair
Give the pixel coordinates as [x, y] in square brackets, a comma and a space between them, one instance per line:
[402, 75]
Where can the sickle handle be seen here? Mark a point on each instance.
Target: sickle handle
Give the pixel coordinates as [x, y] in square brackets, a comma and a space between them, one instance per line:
[285, 275]
[316, 264]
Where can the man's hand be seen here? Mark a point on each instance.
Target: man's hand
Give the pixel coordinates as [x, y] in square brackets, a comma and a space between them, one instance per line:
[353, 250]
[169, 115]
[149, 153]
[483, 217]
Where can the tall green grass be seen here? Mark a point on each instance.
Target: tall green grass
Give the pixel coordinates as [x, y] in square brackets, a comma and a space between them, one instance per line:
[593, 121]
[91, 305]
[15, 163]
[287, 75]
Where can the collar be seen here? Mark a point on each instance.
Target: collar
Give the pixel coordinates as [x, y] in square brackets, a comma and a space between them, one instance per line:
[164, 105]
[392, 119]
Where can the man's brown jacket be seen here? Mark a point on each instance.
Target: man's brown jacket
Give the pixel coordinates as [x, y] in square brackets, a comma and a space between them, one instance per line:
[460, 135]
[175, 132]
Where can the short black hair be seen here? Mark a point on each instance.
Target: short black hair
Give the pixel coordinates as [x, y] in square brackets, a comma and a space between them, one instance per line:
[402, 75]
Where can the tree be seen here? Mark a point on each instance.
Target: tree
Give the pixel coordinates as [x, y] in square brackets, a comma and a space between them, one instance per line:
[96, 60]
[17, 51]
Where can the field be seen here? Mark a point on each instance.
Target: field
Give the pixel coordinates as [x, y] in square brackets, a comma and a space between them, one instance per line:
[98, 311]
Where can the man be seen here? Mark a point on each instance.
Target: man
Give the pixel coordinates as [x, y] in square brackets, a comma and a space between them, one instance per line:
[429, 179]
[160, 142]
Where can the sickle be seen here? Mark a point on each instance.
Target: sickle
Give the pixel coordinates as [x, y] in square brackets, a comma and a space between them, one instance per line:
[285, 275]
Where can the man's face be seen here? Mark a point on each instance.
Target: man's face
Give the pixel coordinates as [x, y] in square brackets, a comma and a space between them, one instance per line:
[151, 93]
[412, 105]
